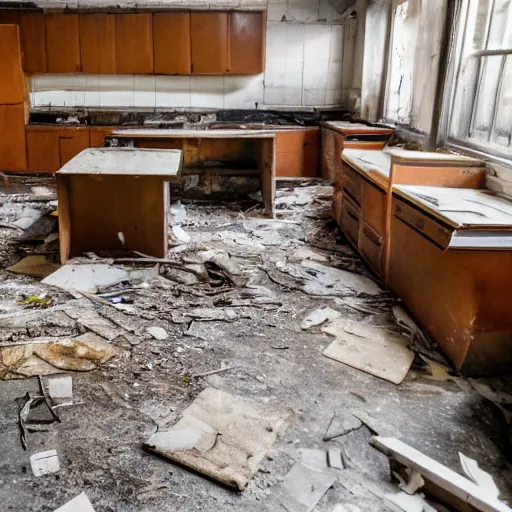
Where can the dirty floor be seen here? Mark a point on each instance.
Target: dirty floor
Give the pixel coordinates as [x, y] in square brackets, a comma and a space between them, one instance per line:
[272, 360]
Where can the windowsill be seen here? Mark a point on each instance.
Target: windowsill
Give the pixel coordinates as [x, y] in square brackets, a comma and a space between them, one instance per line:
[477, 151]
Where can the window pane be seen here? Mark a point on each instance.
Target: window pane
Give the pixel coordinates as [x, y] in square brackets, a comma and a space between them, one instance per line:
[502, 131]
[401, 68]
[486, 94]
[500, 33]
[480, 20]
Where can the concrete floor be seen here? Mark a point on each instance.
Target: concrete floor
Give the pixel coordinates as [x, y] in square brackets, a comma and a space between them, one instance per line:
[144, 388]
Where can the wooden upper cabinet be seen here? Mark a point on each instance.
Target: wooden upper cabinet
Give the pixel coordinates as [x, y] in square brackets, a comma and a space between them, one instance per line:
[62, 43]
[247, 32]
[98, 43]
[134, 43]
[209, 42]
[12, 79]
[33, 42]
[171, 43]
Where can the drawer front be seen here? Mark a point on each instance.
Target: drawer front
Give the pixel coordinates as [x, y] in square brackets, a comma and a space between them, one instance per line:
[371, 247]
[374, 206]
[422, 223]
[352, 183]
[350, 219]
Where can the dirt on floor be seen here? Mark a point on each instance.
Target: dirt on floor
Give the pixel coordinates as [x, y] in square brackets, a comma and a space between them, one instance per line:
[234, 296]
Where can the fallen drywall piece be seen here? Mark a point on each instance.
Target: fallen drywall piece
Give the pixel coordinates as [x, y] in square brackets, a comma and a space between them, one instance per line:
[303, 487]
[318, 317]
[222, 436]
[45, 463]
[371, 349]
[86, 278]
[403, 502]
[481, 478]
[79, 504]
[455, 487]
[60, 389]
[34, 266]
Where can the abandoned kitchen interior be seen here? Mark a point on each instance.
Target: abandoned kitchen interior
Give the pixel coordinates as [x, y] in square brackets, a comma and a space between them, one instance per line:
[256, 255]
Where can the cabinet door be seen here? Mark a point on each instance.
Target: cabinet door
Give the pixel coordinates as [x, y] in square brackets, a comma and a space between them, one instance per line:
[43, 149]
[62, 43]
[134, 43]
[33, 42]
[247, 42]
[71, 142]
[12, 79]
[13, 149]
[171, 43]
[209, 36]
[297, 153]
[98, 43]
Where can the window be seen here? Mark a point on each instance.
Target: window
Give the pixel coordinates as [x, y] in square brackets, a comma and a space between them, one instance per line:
[481, 100]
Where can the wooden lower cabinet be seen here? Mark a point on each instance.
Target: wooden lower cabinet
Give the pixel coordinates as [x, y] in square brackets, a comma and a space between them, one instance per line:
[13, 149]
[97, 135]
[50, 147]
[297, 153]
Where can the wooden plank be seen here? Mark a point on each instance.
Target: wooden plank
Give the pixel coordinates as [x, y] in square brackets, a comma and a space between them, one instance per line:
[33, 42]
[134, 43]
[247, 32]
[103, 206]
[209, 42]
[62, 43]
[12, 79]
[13, 148]
[72, 140]
[42, 149]
[348, 128]
[171, 43]
[98, 43]
[64, 218]
[268, 174]
[404, 156]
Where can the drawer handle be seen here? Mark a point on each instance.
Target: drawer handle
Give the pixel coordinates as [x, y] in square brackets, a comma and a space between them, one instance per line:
[420, 224]
[373, 237]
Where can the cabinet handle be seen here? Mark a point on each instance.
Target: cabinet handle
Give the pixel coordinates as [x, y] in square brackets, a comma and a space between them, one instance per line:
[420, 224]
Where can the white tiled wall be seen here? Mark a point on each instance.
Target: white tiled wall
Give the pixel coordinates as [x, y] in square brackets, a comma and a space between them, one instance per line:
[303, 68]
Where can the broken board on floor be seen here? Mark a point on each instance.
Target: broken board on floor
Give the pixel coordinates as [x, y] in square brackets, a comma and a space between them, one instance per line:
[371, 349]
[222, 436]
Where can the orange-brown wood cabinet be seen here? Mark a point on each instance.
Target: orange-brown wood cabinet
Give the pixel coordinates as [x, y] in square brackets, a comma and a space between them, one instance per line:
[297, 153]
[33, 42]
[171, 43]
[97, 135]
[62, 43]
[12, 79]
[98, 43]
[134, 43]
[9, 17]
[13, 150]
[247, 32]
[72, 140]
[209, 42]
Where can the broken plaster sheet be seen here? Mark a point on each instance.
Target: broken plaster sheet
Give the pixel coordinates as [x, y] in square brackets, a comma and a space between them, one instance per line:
[86, 278]
[403, 502]
[79, 504]
[458, 487]
[222, 436]
[318, 317]
[303, 487]
[371, 349]
[45, 463]
[318, 279]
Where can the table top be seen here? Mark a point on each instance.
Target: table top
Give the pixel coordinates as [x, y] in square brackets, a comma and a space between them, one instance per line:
[461, 207]
[125, 161]
[349, 128]
[199, 134]
[404, 156]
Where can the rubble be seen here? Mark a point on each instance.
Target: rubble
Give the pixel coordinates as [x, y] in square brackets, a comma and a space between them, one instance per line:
[45, 463]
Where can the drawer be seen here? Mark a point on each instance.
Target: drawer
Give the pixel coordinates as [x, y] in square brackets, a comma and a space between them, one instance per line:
[371, 247]
[352, 183]
[373, 206]
[350, 219]
[422, 223]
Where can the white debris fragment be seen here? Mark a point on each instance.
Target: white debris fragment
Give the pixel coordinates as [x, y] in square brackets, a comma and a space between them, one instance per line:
[45, 463]
[180, 234]
[157, 332]
[307, 254]
[60, 389]
[177, 213]
[483, 479]
[79, 504]
[403, 502]
[334, 458]
[318, 317]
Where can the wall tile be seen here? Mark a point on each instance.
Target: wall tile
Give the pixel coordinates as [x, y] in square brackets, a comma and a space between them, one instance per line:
[92, 90]
[276, 11]
[303, 10]
[317, 44]
[243, 91]
[117, 91]
[172, 91]
[144, 91]
[207, 92]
